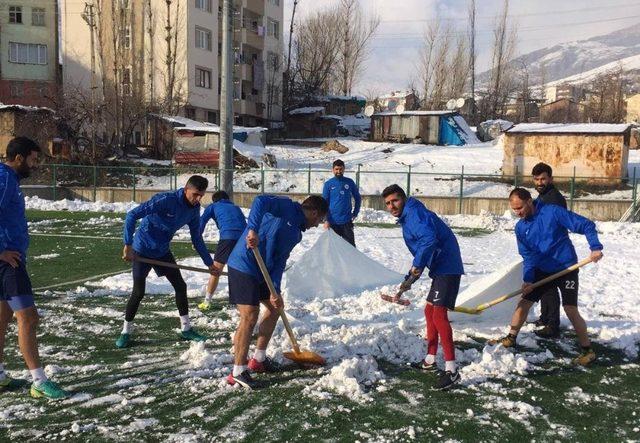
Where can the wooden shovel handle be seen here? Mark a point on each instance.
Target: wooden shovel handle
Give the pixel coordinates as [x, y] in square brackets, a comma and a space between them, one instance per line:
[151, 261]
[272, 289]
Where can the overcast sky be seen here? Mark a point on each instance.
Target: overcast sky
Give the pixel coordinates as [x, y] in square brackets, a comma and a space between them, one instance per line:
[541, 23]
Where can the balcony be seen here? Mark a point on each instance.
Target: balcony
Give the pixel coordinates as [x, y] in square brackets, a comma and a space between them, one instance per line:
[243, 72]
[250, 37]
[256, 6]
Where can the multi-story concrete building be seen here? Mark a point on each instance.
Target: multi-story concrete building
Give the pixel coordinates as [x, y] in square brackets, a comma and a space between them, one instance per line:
[29, 73]
[168, 51]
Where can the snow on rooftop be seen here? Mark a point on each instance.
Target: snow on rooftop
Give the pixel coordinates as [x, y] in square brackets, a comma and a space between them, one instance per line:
[571, 128]
[187, 124]
[25, 108]
[329, 97]
[307, 110]
[395, 94]
[416, 113]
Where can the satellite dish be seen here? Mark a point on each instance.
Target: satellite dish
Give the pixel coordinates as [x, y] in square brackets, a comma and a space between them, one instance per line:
[399, 109]
[460, 102]
[369, 110]
[451, 104]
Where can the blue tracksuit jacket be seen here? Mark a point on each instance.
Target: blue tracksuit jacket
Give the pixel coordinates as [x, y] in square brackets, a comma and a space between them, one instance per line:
[337, 192]
[543, 239]
[430, 240]
[279, 223]
[14, 235]
[228, 218]
[162, 216]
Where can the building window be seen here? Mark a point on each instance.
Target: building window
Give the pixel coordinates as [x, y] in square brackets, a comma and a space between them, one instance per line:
[126, 37]
[203, 5]
[15, 14]
[16, 89]
[203, 78]
[273, 61]
[27, 53]
[275, 2]
[203, 38]
[126, 81]
[211, 116]
[37, 17]
[273, 28]
[190, 113]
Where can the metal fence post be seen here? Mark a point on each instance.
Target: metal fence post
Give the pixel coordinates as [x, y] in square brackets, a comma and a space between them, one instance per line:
[634, 193]
[95, 181]
[358, 176]
[461, 190]
[309, 180]
[573, 189]
[262, 178]
[134, 183]
[55, 182]
[409, 181]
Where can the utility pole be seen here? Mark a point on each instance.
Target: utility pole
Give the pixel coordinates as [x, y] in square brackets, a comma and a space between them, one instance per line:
[225, 142]
[89, 16]
[472, 59]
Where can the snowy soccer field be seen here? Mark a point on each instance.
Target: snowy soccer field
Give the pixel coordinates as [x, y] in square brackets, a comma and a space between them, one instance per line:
[164, 389]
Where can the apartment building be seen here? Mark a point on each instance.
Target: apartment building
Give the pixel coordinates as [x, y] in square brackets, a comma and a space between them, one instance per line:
[29, 73]
[170, 51]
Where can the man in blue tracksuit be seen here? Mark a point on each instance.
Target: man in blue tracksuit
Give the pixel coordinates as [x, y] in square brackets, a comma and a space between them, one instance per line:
[162, 216]
[338, 192]
[275, 225]
[16, 293]
[231, 223]
[434, 246]
[543, 242]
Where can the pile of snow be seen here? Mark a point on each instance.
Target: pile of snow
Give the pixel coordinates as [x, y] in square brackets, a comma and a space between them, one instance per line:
[332, 267]
[351, 378]
[77, 205]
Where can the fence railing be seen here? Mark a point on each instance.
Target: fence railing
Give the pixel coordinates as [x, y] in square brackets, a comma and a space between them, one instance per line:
[308, 180]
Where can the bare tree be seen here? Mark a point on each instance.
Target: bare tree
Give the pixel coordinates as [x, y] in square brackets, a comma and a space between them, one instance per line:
[288, 77]
[274, 82]
[605, 103]
[356, 31]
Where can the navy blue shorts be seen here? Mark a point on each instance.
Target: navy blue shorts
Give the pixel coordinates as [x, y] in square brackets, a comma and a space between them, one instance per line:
[223, 250]
[245, 289]
[444, 290]
[141, 270]
[15, 286]
[567, 285]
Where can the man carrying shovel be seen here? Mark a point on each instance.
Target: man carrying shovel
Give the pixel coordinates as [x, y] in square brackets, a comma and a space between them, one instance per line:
[162, 216]
[543, 242]
[434, 246]
[231, 223]
[275, 225]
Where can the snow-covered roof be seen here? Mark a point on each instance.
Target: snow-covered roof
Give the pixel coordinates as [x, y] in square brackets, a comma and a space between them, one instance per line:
[395, 94]
[416, 113]
[307, 110]
[24, 108]
[570, 128]
[187, 124]
[330, 97]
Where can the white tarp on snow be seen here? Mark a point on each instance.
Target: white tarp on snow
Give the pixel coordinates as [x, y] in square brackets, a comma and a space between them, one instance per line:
[503, 281]
[332, 268]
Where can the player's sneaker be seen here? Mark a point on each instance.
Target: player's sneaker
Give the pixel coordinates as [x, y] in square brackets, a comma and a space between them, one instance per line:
[447, 380]
[508, 341]
[48, 389]
[547, 332]
[245, 380]
[267, 365]
[12, 384]
[193, 335]
[123, 341]
[424, 366]
[585, 358]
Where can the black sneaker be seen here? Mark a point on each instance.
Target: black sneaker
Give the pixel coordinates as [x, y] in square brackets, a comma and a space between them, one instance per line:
[547, 332]
[447, 380]
[424, 366]
[267, 365]
[245, 380]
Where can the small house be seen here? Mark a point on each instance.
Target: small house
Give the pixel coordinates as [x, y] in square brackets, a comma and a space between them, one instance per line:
[311, 122]
[563, 110]
[37, 123]
[390, 102]
[586, 150]
[429, 127]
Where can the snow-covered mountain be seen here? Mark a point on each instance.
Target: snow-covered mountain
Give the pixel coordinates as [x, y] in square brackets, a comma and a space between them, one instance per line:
[574, 58]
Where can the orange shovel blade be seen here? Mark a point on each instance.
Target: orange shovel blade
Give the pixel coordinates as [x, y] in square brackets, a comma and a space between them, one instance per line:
[306, 358]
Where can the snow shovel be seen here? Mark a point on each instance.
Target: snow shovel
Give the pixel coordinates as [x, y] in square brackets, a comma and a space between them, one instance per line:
[173, 265]
[478, 309]
[298, 356]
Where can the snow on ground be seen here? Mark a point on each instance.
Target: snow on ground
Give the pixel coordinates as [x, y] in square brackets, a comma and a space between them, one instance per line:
[435, 170]
[352, 329]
